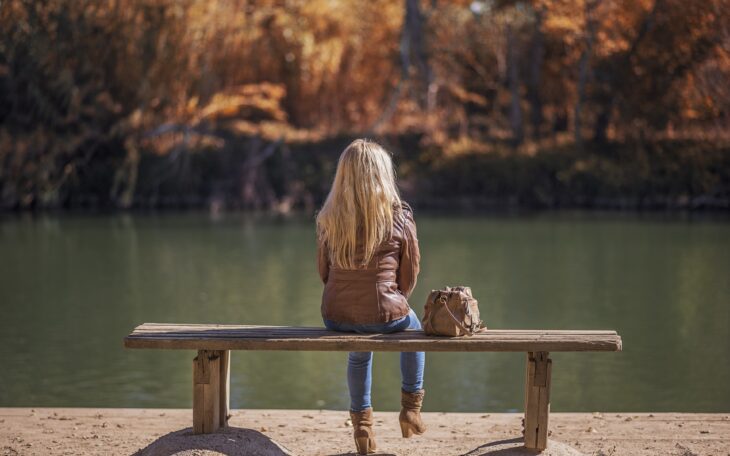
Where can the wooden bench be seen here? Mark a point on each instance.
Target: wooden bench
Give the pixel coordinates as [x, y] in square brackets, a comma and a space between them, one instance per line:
[211, 367]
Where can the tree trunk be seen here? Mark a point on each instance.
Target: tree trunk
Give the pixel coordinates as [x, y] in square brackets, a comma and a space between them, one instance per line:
[537, 54]
[621, 72]
[414, 24]
[603, 120]
[513, 81]
[412, 44]
[583, 70]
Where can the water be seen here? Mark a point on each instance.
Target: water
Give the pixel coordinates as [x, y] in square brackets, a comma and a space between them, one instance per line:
[71, 287]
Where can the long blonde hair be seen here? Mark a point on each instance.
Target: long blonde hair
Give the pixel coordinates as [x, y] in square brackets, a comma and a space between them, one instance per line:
[361, 203]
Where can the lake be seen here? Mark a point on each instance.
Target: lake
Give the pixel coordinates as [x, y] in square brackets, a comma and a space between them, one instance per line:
[72, 286]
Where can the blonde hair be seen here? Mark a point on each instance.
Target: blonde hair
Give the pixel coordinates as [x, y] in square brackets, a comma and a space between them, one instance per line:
[361, 203]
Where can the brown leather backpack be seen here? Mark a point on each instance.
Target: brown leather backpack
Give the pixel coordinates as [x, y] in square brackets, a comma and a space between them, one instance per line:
[452, 311]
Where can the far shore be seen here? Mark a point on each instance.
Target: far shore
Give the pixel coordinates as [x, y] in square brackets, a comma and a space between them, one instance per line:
[96, 431]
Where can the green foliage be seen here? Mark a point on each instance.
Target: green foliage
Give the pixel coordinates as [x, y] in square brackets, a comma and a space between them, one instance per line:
[666, 174]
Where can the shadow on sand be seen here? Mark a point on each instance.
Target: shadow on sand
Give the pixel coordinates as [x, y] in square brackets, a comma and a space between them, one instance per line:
[235, 441]
[515, 447]
[352, 453]
[229, 441]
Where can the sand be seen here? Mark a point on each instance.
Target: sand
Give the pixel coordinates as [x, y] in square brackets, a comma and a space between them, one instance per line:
[157, 432]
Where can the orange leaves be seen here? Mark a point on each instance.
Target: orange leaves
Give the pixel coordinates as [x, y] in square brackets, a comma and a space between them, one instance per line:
[78, 76]
[249, 101]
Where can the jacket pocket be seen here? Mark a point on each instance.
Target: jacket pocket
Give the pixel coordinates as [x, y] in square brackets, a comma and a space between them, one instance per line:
[391, 303]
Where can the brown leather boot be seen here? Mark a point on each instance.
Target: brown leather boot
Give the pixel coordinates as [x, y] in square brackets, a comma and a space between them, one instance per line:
[362, 423]
[410, 413]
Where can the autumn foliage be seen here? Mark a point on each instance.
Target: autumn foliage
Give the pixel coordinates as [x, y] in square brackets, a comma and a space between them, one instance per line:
[232, 103]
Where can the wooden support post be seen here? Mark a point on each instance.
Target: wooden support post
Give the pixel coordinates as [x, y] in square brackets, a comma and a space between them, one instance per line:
[225, 388]
[537, 400]
[206, 392]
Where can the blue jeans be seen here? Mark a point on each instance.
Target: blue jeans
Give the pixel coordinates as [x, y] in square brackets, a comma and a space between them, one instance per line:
[360, 364]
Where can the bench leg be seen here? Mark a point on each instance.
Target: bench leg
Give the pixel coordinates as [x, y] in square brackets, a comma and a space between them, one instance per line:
[206, 392]
[537, 400]
[225, 388]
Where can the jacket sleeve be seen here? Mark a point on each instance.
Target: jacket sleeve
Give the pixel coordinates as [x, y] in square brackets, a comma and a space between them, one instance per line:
[410, 257]
[322, 260]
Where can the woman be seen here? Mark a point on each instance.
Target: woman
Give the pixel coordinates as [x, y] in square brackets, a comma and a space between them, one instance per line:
[368, 259]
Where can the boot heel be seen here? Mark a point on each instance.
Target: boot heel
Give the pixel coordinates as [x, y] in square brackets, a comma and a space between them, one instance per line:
[363, 445]
[406, 429]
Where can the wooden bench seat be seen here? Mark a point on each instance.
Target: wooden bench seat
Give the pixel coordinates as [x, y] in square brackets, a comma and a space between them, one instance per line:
[211, 368]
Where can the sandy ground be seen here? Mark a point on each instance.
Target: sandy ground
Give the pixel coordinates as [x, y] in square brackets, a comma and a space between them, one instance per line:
[156, 432]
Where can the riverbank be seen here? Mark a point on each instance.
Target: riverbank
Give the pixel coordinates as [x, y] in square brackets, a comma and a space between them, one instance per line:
[664, 175]
[92, 431]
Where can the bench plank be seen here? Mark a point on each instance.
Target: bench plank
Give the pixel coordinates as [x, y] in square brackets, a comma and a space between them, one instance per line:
[251, 337]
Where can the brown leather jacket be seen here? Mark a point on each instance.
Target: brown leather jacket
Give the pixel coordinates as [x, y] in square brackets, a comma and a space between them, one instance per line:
[378, 293]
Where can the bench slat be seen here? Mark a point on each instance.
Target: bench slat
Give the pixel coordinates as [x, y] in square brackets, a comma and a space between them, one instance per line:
[251, 337]
[153, 326]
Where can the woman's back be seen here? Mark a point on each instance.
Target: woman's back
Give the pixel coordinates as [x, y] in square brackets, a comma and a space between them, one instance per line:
[378, 292]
